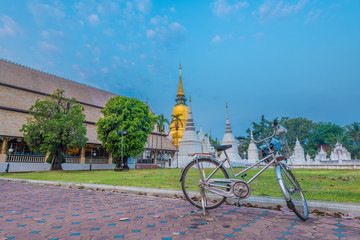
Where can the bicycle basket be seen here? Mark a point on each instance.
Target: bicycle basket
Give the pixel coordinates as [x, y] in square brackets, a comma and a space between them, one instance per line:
[275, 146]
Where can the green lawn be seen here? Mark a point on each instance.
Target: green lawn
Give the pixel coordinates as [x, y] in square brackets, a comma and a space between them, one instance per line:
[327, 185]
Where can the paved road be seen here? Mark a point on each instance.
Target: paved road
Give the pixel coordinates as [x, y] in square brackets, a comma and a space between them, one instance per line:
[43, 212]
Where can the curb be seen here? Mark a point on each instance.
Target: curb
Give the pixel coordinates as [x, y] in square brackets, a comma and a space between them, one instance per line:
[255, 201]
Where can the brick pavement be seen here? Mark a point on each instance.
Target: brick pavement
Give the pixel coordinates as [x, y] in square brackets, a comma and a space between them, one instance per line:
[44, 212]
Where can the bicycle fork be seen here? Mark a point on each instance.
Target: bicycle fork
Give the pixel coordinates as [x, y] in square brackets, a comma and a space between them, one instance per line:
[202, 190]
[280, 180]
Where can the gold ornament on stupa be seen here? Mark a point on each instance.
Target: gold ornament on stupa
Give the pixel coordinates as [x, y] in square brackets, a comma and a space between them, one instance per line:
[179, 115]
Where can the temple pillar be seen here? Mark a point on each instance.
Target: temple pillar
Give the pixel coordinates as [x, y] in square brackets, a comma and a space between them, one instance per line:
[82, 155]
[110, 159]
[3, 150]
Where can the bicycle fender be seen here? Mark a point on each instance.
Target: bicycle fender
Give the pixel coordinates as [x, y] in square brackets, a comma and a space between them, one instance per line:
[211, 159]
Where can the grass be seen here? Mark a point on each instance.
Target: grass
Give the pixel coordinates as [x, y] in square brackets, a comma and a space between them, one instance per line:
[326, 185]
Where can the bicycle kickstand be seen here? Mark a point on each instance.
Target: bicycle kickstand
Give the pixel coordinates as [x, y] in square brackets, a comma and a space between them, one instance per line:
[203, 201]
[238, 200]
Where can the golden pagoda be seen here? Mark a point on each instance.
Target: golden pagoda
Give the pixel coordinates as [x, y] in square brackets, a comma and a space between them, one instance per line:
[179, 115]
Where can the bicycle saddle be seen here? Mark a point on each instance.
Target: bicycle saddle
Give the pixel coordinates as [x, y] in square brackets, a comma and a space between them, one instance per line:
[222, 147]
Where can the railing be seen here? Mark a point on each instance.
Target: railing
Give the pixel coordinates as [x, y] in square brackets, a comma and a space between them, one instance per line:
[72, 159]
[97, 160]
[27, 158]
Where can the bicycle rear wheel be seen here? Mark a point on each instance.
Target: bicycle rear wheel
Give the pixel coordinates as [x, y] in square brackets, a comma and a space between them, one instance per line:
[190, 180]
[292, 192]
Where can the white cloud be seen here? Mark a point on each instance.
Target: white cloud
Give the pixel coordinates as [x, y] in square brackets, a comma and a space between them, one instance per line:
[108, 31]
[216, 39]
[7, 26]
[105, 70]
[93, 19]
[40, 10]
[47, 34]
[47, 47]
[222, 8]
[150, 33]
[172, 9]
[143, 6]
[313, 15]
[280, 9]
[258, 35]
[159, 20]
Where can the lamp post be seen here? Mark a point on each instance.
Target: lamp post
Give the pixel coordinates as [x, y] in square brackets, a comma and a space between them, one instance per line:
[92, 154]
[8, 162]
[122, 132]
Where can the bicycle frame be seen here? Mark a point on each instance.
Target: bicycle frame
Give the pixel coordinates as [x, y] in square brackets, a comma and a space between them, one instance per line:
[213, 186]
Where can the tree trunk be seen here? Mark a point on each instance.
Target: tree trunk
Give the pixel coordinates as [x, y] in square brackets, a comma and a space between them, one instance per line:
[57, 161]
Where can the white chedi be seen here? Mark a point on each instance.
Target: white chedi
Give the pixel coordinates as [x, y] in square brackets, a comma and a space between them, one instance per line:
[229, 139]
[321, 156]
[299, 155]
[190, 142]
[253, 153]
[206, 146]
[340, 153]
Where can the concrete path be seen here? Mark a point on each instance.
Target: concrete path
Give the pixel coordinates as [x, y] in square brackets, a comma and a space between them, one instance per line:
[50, 212]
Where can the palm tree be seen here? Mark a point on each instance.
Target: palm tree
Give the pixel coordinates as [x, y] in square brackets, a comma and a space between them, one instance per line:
[161, 121]
[176, 119]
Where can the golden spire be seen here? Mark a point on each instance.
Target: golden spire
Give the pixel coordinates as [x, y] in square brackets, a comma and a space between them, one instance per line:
[180, 91]
[190, 98]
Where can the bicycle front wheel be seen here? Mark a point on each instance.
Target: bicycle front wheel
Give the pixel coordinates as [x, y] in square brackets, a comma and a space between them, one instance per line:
[191, 177]
[292, 192]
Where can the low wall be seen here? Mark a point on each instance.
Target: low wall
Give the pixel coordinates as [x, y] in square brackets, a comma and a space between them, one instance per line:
[327, 166]
[24, 167]
[80, 166]
[31, 167]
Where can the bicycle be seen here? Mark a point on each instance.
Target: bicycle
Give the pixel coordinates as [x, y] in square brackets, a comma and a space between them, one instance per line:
[206, 182]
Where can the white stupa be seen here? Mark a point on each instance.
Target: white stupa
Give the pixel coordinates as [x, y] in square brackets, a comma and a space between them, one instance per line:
[340, 153]
[308, 159]
[206, 147]
[190, 142]
[299, 153]
[229, 139]
[253, 154]
[321, 156]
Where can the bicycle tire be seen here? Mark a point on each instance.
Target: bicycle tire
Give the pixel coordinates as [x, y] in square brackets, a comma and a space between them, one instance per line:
[190, 182]
[291, 189]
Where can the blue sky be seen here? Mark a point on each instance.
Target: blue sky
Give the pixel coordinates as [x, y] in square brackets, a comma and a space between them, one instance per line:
[296, 58]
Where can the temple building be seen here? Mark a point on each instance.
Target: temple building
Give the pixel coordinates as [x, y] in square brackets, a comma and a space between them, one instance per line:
[229, 139]
[299, 154]
[340, 153]
[179, 115]
[321, 156]
[21, 86]
[206, 146]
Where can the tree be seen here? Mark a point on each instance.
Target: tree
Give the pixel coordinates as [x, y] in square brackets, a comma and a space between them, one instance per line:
[177, 120]
[130, 114]
[353, 131]
[325, 133]
[55, 125]
[161, 121]
[300, 128]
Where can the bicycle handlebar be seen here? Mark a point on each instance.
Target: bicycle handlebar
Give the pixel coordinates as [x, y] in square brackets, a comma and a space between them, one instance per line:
[275, 125]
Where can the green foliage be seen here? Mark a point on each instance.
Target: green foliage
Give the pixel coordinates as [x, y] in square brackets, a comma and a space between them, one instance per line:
[55, 125]
[325, 133]
[130, 114]
[161, 121]
[300, 128]
[353, 132]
